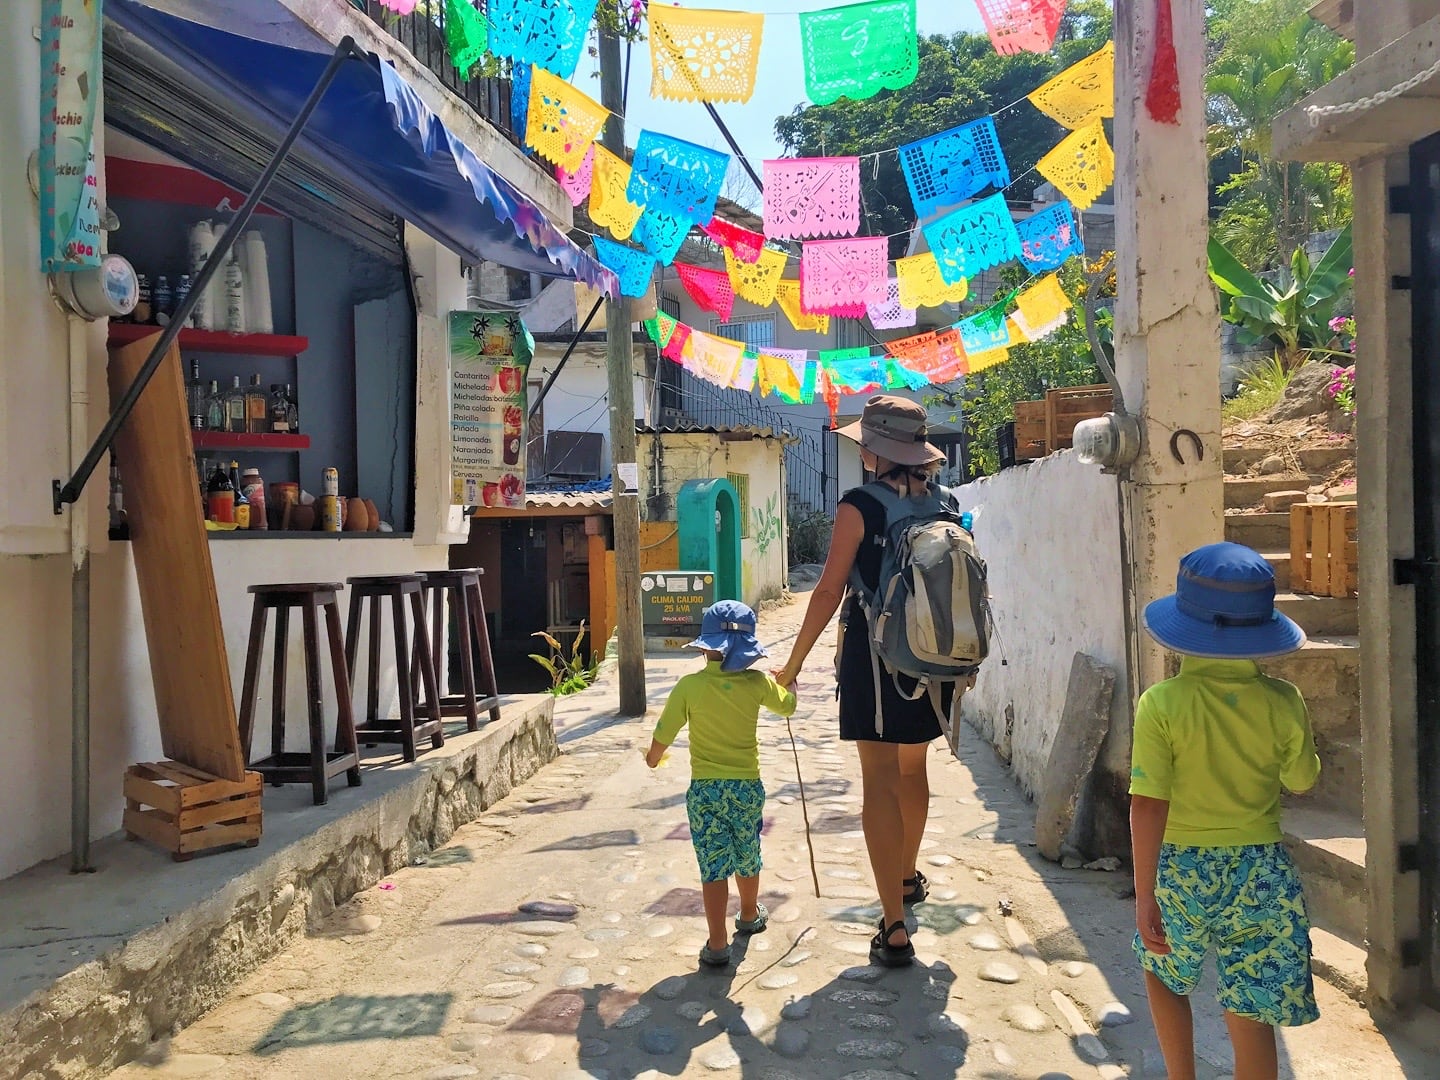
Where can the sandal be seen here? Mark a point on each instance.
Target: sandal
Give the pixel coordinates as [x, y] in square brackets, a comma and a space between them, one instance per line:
[886, 954]
[917, 888]
[716, 958]
[756, 925]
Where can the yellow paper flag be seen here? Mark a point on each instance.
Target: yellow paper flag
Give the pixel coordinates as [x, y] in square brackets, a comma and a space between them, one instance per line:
[1018, 336]
[922, 286]
[756, 281]
[608, 205]
[1044, 308]
[777, 376]
[562, 122]
[698, 55]
[787, 294]
[1082, 167]
[988, 359]
[1081, 93]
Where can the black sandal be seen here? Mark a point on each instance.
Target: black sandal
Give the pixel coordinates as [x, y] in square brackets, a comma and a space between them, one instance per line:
[917, 888]
[886, 954]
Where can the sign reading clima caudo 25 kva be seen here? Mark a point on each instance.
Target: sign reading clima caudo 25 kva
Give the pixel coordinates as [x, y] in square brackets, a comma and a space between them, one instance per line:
[490, 354]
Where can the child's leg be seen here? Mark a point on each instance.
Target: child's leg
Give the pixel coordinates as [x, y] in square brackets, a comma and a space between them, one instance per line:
[716, 895]
[1175, 1028]
[1256, 1057]
[749, 889]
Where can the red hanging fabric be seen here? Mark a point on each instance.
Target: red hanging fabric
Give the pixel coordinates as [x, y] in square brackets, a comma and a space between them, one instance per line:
[1162, 96]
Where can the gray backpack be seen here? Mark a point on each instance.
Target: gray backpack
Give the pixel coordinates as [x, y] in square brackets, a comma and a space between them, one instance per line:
[930, 617]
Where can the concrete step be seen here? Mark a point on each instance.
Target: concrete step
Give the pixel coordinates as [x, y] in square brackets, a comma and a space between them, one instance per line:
[1241, 493]
[1321, 615]
[1263, 532]
[1279, 562]
[1327, 671]
[1329, 848]
[1318, 460]
[1340, 963]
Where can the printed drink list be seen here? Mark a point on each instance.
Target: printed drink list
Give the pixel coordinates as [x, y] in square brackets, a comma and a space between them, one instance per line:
[490, 353]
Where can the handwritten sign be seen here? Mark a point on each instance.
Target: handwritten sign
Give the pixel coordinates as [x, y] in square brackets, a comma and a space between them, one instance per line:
[490, 354]
[673, 601]
[69, 90]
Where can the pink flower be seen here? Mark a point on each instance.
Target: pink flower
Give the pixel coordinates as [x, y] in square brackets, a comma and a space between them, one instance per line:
[1337, 323]
[1352, 271]
[405, 7]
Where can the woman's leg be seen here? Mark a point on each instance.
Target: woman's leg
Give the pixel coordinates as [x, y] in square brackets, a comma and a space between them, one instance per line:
[914, 801]
[884, 827]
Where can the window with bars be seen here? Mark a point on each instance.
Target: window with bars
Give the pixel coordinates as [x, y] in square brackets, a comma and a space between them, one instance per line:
[754, 331]
[850, 334]
[741, 483]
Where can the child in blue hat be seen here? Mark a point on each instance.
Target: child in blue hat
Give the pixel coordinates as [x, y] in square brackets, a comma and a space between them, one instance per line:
[1212, 749]
[721, 703]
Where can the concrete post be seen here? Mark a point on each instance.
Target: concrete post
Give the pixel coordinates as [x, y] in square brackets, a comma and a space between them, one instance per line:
[1167, 338]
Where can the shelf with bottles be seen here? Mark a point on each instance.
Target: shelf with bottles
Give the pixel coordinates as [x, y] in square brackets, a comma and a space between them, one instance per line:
[242, 417]
[215, 341]
[259, 442]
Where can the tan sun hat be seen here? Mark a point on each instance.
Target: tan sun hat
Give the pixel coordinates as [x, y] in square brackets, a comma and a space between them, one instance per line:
[893, 429]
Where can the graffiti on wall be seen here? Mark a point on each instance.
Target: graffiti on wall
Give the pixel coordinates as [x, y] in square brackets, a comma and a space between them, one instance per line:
[765, 525]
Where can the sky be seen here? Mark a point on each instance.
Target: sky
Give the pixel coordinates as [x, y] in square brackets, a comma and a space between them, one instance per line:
[780, 84]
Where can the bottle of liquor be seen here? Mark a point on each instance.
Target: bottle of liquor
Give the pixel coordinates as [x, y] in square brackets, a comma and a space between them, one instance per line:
[257, 407]
[292, 410]
[242, 504]
[215, 408]
[195, 397]
[279, 410]
[164, 300]
[220, 497]
[119, 523]
[235, 407]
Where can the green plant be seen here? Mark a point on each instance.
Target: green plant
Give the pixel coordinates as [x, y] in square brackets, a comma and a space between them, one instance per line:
[1342, 389]
[1261, 389]
[569, 674]
[1294, 317]
[809, 539]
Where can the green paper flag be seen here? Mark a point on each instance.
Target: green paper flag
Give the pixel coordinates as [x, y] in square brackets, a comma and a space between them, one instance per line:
[859, 50]
[466, 35]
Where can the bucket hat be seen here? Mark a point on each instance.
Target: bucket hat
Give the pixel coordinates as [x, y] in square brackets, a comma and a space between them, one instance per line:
[728, 627]
[894, 429]
[1223, 608]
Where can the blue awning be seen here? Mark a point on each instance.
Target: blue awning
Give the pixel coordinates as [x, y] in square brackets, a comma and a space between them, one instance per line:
[373, 130]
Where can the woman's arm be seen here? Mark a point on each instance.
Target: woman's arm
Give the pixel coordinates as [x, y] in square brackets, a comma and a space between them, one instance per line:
[845, 540]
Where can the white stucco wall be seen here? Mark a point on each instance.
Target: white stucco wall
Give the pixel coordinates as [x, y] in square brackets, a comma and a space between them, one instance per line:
[579, 400]
[1049, 532]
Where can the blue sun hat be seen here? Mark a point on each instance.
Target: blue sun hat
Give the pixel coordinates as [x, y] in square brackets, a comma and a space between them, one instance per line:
[1223, 608]
[728, 627]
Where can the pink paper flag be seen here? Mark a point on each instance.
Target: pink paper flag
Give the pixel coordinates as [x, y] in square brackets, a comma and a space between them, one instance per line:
[710, 289]
[843, 277]
[807, 197]
[577, 184]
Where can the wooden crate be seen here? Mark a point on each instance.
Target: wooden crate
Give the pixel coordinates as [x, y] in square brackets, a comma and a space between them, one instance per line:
[1066, 407]
[1324, 553]
[185, 811]
[1030, 431]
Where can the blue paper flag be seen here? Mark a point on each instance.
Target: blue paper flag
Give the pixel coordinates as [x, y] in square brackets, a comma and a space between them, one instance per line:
[661, 234]
[519, 100]
[1049, 238]
[983, 332]
[974, 238]
[946, 169]
[634, 268]
[547, 33]
[855, 369]
[676, 177]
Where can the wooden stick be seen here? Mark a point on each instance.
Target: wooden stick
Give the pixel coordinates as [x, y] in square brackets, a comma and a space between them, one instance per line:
[804, 809]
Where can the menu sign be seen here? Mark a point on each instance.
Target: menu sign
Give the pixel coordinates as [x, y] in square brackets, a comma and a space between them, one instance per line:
[69, 91]
[490, 354]
[675, 600]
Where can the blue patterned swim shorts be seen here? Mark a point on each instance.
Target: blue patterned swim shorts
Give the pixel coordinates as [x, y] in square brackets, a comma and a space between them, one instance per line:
[1245, 903]
[725, 817]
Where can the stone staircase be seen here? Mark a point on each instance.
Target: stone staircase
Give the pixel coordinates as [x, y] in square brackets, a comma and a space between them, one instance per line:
[1324, 829]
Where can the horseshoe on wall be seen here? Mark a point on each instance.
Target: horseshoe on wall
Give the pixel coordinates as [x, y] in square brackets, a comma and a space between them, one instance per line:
[1194, 441]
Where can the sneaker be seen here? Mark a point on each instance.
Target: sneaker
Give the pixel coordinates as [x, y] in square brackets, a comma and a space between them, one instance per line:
[756, 925]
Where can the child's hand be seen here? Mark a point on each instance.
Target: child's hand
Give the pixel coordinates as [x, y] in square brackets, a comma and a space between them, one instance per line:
[654, 755]
[1150, 925]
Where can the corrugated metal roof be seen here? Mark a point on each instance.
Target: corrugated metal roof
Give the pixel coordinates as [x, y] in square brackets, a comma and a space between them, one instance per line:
[576, 500]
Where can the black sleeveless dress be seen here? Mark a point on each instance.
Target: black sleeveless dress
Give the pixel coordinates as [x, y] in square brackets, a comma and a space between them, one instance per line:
[906, 721]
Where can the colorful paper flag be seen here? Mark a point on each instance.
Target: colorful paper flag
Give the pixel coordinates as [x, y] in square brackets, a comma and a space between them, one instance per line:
[944, 170]
[787, 295]
[745, 245]
[520, 100]
[714, 359]
[986, 330]
[547, 33]
[841, 277]
[698, 55]
[661, 328]
[677, 177]
[973, 238]
[609, 208]
[1082, 167]
[920, 284]
[1042, 308]
[708, 288]
[757, 281]
[781, 376]
[563, 121]
[891, 315]
[1082, 92]
[577, 184]
[858, 50]
[979, 362]
[634, 268]
[810, 197]
[1017, 26]
[1049, 238]
[467, 36]
[747, 372]
[661, 234]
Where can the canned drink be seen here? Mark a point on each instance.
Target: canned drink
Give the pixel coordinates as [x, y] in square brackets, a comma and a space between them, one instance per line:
[329, 513]
[330, 481]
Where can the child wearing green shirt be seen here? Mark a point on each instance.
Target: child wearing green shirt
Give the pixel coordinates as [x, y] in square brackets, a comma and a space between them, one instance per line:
[1212, 749]
[721, 703]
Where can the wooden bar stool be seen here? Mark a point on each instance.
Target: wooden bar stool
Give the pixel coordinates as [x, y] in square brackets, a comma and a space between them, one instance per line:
[405, 730]
[318, 766]
[463, 589]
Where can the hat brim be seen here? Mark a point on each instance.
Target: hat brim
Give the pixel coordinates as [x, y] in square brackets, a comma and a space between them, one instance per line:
[738, 651]
[1183, 633]
[892, 450]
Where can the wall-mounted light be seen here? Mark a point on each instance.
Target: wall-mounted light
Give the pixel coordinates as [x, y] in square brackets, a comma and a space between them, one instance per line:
[1111, 441]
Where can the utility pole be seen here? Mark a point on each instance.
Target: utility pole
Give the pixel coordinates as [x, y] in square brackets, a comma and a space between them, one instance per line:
[619, 357]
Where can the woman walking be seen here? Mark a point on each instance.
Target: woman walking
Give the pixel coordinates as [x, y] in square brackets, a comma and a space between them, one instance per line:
[896, 791]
